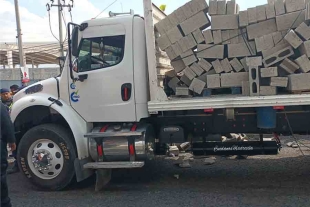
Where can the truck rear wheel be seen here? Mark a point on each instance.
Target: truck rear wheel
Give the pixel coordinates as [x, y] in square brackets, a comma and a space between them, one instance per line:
[46, 156]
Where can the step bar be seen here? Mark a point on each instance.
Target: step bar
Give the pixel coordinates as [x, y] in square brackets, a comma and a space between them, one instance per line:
[113, 165]
[112, 134]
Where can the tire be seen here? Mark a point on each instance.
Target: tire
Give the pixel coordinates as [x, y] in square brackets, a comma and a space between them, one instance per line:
[60, 149]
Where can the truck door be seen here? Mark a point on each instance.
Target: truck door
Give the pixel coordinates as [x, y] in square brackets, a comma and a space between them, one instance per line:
[105, 61]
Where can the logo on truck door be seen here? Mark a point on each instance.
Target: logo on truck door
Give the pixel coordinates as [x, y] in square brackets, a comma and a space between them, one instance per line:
[75, 96]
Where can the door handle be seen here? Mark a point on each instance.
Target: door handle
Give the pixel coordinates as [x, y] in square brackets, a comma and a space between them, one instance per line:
[126, 90]
[83, 77]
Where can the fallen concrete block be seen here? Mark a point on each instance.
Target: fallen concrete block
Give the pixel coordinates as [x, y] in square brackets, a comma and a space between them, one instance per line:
[205, 65]
[203, 77]
[305, 48]
[210, 51]
[241, 49]
[243, 35]
[261, 29]
[268, 90]
[163, 42]
[307, 11]
[235, 63]
[293, 39]
[225, 37]
[176, 49]
[261, 13]
[198, 21]
[303, 30]
[221, 7]
[289, 66]
[270, 11]
[294, 5]
[304, 63]
[279, 81]
[197, 86]
[186, 80]
[178, 65]
[299, 82]
[182, 91]
[189, 73]
[234, 79]
[279, 7]
[252, 15]
[278, 56]
[245, 88]
[231, 7]
[224, 22]
[188, 42]
[243, 18]
[276, 48]
[197, 69]
[243, 62]
[167, 25]
[171, 54]
[254, 81]
[260, 44]
[159, 26]
[208, 36]
[217, 66]
[217, 36]
[173, 19]
[234, 36]
[198, 36]
[213, 81]
[269, 72]
[290, 20]
[188, 57]
[226, 65]
[254, 61]
[277, 38]
[212, 7]
[173, 83]
[170, 73]
[174, 35]
[187, 10]
[268, 42]
[198, 5]
[180, 15]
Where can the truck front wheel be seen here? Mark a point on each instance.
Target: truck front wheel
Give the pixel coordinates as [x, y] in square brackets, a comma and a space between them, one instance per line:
[46, 156]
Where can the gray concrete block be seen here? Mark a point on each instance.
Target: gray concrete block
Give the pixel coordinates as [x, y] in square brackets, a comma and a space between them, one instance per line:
[236, 64]
[261, 13]
[303, 30]
[234, 36]
[217, 66]
[226, 65]
[243, 35]
[225, 22]
[197, 69]
[234, 79]
[198, 21]
[279, 81]
[198, 36]
[187, 10]
[203, 77]
[185, 80]
[243, 18]
[260, 43]
[237, 8]
[197, 86]
[174, 35]
[304, 63]
[289, 66]
[268, 90]
[241, 50]
[189, 73]
[307, 11]
[173, 19]
[171, 54]
[188, 57]
[208, 36]
[294, 5]
[245, 88]
[279, 7]
[268, 40]
[188, 42]
[182, 91]
[293, 39]
[231, 7]
[221, 7]
[225, 37]
[163, 42]
[271, 1]
[167, 25]
[299, 82]
[210, 51]
[213, 81]
[180, 15]
[261, 29]
[170, 73]
[305, 48]
[270, 11]
[254, 81]
[285, 21]
[202, 5]
[269, 72]
[243, 62]
[276, 48]
[217, 36]
[205, 65]
[211, 72]
[212, 7]
[278, 56]
[178, 65]
[173, 83]
[252, 15]
[277, 38]
[176, 49]
[254, 61]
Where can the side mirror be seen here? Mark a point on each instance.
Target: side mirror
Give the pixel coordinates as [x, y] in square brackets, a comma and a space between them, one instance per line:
[74, 41]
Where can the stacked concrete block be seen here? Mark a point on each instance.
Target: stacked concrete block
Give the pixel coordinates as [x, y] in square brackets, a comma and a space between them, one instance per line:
[289, 66]
[236, 64]
[305, 48]
[226, 65]
[278, 56]
[245, 88]
[304, 63]
[174, 35]
[217, 66]
[198, 21]
[213, 81]
[279, 81]
[299, 82]
[198, 36]
[294, 5]
[270, 11]
[224, 22]
[187, 43]
[261, 13]
[277, 47]
[307, 12]
[234, 79]
[277, 38]
[279, 7]
[212, 7]
[173, 83]
[189, 73]
[252, 15]
[163, 42]
[205, 65]
[243, 62]
[269, 72]
[254, 61]
[221, 7]
[179, 14]
[241, 49]
[232, 7]
[261, 29]
[186, 80]
[210, 51]
[290, 20]
[254, 80]
[197, 86]
[265, 42]
[234, 36]
[267, 90]
[293, 39]
[182, 91]
[225, 37]
[303, 30]
[208, 36]
[197, 69]
[243, 19]
[178, 65]
[188, 57]
[217, 36]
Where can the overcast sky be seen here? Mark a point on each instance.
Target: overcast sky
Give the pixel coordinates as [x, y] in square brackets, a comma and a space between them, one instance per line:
[35, 21]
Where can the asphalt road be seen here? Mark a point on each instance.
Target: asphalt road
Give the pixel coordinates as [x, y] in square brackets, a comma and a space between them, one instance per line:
[281, 180]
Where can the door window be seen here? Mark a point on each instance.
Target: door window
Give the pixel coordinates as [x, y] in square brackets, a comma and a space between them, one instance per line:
[100, 52]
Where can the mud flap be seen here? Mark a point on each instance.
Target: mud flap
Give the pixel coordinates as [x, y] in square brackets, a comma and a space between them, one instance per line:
[103, 177]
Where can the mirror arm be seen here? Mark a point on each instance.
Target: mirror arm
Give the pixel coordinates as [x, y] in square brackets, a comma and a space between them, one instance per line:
[70, 50]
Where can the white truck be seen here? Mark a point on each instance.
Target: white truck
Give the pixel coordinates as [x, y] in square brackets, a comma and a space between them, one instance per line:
[106, 110]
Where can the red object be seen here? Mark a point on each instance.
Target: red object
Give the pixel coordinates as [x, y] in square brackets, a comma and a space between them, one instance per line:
[278, 107]
[104, 128]
[134, 127]
[131, 150]
[99, 150]
[126, 94]
[208, 110]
